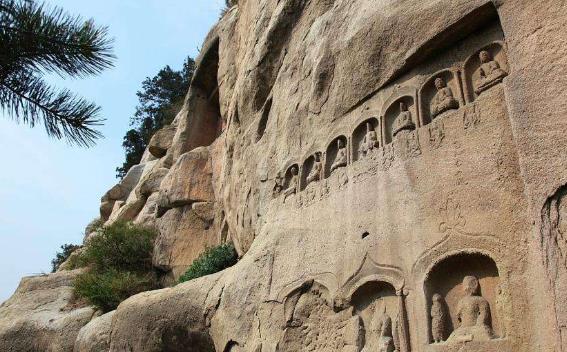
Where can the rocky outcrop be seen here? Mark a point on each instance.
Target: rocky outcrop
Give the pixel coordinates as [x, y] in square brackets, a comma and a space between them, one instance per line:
[43, 315]
[161, 141]
[383, 169]
[95, 336]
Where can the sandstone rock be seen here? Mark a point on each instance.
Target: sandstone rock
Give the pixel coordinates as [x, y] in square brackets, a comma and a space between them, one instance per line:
[188, 181]
[150, 183]
[165, 320]
[161, 141]
[440, 128]
[42, 315]
[95, 336]
[183, 235]
[121, 191]
[148, 214]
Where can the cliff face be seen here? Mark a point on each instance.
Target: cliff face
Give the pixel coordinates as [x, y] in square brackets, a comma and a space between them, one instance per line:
[391, 173]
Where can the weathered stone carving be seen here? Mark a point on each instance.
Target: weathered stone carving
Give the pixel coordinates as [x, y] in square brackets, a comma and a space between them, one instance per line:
[490, 73]
[369, 142]
[444, 99]
[314, 326]
[473, 314]
[436, 133]
[438, 319]
[379, 335]
[341, 158]
[278, 185]
[293, 182]
[315, 174]
[404, 120]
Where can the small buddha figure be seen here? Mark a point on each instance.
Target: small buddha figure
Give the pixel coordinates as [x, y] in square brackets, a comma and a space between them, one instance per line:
[443, 99]
[369, 142]
[403, 121]
[473, 314]
[293, 183]
[315, 173]
[438, 318]
[341, 158]
[379, 336]
[490, 73]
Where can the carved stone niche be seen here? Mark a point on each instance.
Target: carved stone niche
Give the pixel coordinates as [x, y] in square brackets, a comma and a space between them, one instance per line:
[365, 139]
[440, 94]
[400, 115]
[313, 325]
[312, 170]
[291, 180]
[336, 155]
[484, 69]
[383, 316]
[465, 303]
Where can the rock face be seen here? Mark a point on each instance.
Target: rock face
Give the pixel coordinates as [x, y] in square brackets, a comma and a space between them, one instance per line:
[392, 174]
[42, 315]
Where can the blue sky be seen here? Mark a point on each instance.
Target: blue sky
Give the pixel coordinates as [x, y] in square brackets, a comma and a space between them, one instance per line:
[49, 191]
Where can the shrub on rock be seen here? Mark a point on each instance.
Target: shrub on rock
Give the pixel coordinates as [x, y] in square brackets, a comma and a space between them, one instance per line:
[211, 261]
[119, 259]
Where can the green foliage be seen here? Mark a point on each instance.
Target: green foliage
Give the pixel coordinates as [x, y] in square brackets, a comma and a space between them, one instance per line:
[61, 257]
[107, 289]
[211, 261]
[119, 259]
[35, 40]
[159, 101]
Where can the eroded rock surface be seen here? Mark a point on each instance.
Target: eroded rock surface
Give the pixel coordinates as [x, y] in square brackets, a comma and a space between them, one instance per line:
[392, 174]
[43, 315]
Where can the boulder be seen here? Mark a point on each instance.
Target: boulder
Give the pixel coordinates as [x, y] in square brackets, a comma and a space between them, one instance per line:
[183, 235]
[43, 315]
[188, 181]
[161, 141]
[95, 336]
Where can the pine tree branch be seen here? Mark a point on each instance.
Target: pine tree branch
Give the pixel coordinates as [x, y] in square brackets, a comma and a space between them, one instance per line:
[29, 99]
[38, 38]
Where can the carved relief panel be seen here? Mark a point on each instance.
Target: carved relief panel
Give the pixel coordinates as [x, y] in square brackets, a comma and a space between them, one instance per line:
[337, 155]
[365, 139]
[400, 117]
[484, 69]
[466, 300]
[440, 94]
[313, 325]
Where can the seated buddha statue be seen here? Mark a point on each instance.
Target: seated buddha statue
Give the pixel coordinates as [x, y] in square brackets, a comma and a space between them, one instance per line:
[443, 99]
[369, 142]
[341, 158]
[315, 173]
[490, 73]
[293, 182]
[473, 315]
[403, 121]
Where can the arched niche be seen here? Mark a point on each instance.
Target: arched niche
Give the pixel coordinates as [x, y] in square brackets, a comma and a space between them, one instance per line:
[362, 141]
[428, 92]
[332, 154]
[289, 175]
[395, 121]
[312, 323]
[204, 99]
[310, 174]
[374, 296]
[446, 280]
[474, 84]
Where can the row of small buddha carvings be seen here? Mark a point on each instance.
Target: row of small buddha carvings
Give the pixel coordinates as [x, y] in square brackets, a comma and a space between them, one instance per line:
[489, 74]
